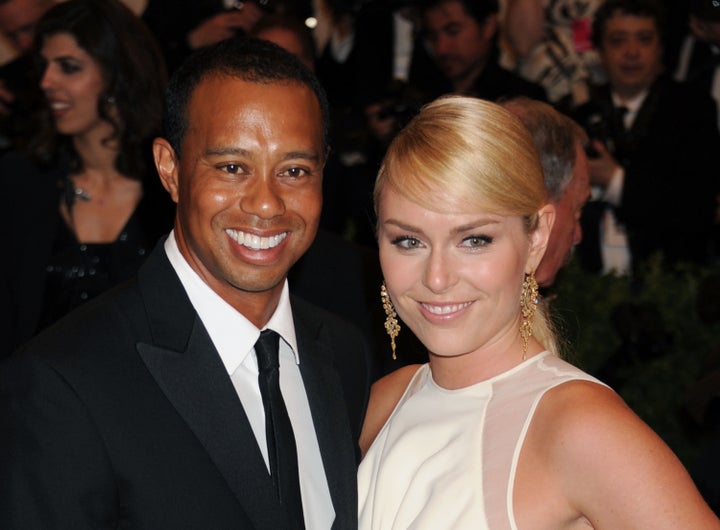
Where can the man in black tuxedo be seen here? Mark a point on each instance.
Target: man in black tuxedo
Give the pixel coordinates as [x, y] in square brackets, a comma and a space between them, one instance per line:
[656, 170]
[146, 408]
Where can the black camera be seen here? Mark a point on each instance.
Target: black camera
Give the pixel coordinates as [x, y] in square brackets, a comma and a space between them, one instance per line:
[596, 130]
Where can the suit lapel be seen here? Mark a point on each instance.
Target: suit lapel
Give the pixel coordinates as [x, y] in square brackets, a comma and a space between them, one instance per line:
[330, 417]
[188, 369]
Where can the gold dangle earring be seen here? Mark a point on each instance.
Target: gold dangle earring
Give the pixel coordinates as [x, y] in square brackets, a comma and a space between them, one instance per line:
[528, 305]
[391, 323]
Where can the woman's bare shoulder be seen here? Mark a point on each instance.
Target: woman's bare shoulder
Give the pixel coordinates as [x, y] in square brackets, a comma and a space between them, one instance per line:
[605, 454]
[384, 396]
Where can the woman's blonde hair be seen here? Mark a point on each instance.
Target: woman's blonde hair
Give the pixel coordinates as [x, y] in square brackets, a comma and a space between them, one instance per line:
[461, 153]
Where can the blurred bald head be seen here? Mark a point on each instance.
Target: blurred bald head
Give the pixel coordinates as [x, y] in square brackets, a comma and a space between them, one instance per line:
[559, 141]
[289, 33]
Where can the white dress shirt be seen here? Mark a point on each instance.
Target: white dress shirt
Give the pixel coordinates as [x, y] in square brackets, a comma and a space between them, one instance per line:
[402, 46]
[234, 337]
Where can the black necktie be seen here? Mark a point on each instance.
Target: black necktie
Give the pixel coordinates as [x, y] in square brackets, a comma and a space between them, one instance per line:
[621, 134]
[282, 453]
[619, 114]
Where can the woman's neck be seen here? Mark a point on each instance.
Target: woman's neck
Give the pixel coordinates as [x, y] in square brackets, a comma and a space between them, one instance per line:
[97, 153]
[465, 370]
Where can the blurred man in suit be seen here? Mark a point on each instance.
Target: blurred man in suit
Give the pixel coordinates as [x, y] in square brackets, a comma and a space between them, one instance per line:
[655, 175]
[561, 144]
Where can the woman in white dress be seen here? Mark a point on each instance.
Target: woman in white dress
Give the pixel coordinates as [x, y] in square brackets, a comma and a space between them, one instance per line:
[496, 431]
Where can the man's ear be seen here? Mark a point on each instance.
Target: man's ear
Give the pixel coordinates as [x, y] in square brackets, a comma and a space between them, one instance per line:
[540, 237]
[166, 163]
[490, 27]
[698, 27]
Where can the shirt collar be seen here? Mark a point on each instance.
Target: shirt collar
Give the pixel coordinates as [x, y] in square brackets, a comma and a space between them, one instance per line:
[632, 104]
[232, 334]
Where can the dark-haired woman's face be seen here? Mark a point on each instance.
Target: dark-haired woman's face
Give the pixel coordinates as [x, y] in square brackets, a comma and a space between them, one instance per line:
[72, 82]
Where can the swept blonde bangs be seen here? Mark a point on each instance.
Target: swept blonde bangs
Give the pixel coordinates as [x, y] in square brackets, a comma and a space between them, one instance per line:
[465, 154]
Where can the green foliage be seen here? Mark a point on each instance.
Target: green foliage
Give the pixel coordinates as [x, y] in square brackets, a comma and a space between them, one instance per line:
[645, 337]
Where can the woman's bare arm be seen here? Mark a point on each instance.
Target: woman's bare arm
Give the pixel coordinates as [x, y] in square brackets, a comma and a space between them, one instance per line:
[384, 395]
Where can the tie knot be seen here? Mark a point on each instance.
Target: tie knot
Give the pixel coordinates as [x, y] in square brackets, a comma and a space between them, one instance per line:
[266, 349]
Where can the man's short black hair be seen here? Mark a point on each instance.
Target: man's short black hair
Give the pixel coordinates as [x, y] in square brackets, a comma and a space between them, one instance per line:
[246, 58]
[638, 8]
[477, 9]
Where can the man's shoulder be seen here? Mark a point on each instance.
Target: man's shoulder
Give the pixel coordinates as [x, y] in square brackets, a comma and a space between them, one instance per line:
[314, 318]
[508, 84]
[683, 91]
[337, 337]
[683, 105]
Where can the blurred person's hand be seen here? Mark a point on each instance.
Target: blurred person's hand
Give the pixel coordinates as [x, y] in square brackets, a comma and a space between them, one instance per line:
[602, 166]
[224, 25]
[6, 99]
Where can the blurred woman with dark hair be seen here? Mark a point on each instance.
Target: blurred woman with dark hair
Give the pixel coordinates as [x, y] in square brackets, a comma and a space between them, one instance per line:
[83, 204]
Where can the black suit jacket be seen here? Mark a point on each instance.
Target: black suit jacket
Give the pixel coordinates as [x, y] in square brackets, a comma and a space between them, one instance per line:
[671, 158]
[374, 53]
[122, 415]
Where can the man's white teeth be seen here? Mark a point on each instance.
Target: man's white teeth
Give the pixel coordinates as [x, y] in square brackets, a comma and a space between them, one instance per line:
[255, 242]
[445, 309]
[59, 105]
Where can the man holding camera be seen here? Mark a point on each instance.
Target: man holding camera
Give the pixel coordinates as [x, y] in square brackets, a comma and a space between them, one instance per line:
[655, 166]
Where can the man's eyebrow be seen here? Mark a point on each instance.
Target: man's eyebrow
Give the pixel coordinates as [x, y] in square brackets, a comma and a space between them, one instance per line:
[223, 151]
[239, 151]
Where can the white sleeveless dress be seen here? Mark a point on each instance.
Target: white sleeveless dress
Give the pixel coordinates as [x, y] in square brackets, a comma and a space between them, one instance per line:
[447, 458]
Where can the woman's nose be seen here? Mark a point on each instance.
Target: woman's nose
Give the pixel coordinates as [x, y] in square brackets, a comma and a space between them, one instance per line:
[439, 274]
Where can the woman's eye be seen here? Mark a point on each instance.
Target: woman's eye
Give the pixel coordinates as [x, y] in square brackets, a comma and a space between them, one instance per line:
[477, 241]
[407, 242]
[69, 67]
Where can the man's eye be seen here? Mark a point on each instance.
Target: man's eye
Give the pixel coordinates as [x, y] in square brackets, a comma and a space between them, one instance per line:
[233, 169]
[295, 172]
